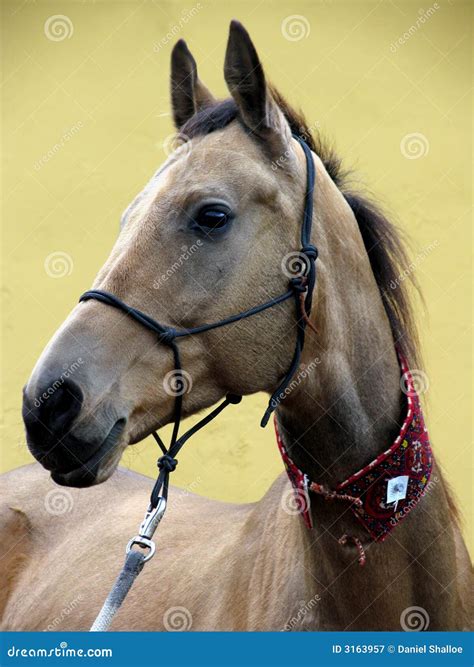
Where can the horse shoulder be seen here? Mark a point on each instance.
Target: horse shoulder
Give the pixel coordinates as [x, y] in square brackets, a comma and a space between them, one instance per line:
[15, 537]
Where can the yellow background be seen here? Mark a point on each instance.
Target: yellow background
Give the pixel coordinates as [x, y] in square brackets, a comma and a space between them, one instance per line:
[109, 81]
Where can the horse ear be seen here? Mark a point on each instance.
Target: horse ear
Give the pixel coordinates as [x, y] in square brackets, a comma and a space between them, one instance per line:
[245, 79]
[188, 94]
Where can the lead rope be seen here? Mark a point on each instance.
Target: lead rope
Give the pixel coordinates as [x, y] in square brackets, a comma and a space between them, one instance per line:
[301, 289]
[135, 560]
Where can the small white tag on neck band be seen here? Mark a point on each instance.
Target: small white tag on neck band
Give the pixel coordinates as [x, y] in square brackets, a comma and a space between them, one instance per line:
[397, 489]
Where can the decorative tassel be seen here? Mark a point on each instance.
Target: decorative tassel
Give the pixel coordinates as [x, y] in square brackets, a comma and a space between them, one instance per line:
[355, 540]
[329, 494]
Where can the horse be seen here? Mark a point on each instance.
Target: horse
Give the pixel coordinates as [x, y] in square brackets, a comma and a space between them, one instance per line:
[236, 183]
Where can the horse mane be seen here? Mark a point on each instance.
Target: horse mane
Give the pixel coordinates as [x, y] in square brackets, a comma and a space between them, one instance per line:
[382, 240]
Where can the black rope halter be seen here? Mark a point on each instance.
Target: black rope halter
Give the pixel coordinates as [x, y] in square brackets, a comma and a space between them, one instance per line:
[301, 289]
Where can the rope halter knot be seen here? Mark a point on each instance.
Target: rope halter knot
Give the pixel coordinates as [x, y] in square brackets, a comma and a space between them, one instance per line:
[167, 462]
[233, 399]
[298, 284]
[168, 336]
[310, 251]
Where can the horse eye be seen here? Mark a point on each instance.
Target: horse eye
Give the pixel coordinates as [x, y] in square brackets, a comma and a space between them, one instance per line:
[212, 219]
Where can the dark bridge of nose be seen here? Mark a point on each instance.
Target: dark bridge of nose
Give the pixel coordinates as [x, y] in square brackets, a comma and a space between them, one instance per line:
[49, 415]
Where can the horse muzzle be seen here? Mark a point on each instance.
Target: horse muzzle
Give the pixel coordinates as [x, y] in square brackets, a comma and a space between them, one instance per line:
[57, 439]
[99, 466]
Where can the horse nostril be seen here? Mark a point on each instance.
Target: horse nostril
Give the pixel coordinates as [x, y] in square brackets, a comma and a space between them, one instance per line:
[49, 415]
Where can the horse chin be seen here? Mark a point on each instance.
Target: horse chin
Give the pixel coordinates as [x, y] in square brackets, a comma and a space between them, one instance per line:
[100, 466]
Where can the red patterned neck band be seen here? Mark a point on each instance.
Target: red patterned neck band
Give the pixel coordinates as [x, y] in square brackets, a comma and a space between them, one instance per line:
[385, 491]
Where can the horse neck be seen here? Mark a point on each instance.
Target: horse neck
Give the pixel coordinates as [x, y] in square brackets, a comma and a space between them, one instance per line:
[348, 407]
